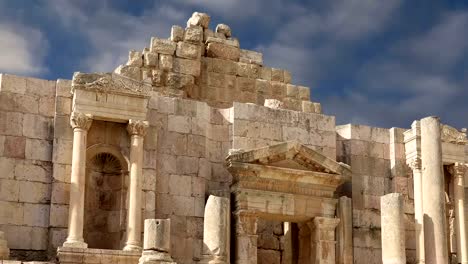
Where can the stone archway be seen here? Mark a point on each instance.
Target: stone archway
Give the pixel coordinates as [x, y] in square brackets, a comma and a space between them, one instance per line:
[105, 197]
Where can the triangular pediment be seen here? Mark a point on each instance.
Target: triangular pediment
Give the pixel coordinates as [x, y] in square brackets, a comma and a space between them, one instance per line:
[291, 155]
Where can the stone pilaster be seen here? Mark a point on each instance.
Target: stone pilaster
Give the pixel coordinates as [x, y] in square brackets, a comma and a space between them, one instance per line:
[344, 232]
[323, 241]
[137, 130]
[435, 234]
[216, 231]
[418, 210]
[246, 238]
[80, 123]
[458, 171]
[393, 229]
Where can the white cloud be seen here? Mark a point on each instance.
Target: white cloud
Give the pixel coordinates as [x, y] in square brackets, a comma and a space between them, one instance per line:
[22, 49]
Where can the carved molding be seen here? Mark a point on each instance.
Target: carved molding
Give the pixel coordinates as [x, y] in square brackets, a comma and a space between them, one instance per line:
[458, 169]
[80, 120]
[110, 83]
[137, 127]
[452, 135]
[415, 163]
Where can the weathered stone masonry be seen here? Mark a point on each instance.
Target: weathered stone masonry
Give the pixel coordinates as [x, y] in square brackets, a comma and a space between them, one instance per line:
[194, 151]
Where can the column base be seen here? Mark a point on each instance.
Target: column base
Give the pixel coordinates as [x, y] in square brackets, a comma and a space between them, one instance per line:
[74, 244]
[155, 257]
[132, 248]
[208, 259]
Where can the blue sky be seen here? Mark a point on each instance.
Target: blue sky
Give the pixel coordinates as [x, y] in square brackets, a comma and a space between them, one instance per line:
[382, 63]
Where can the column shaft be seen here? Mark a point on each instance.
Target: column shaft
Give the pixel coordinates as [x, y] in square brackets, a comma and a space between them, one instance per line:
[345, 231]
[323, 240]
[393, 229]
[80, 123]
[246, 239]
[435, 234]
[137, 130]
[418, 210]
[459, 191]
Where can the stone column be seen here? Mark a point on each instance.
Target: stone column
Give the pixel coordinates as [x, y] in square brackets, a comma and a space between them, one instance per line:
[323, 240]
[459, 191]
[246, 238]
[80, 123]
[435, 234]
[4, 250]
[418, 210]
[216, 231]
[393, 229]
[345, 231]
[287, 257]
[137, 131]
[157, 242]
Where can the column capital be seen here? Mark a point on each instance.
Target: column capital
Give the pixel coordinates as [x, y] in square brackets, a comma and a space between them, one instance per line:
[245, 222]
[415, 163]
[324, 223]
[458, 169]
[81, 120]
[137, 127]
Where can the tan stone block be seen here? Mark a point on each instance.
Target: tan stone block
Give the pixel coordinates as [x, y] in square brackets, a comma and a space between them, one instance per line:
[62, 128]
[135, 58]
[47, 106]
[223, 66]
[199, 19]
[36, 215]
[14, 147]
[287, 76]
[180, 185]
[11, 213]
[223, 51]
[132, 72]
[196, 146]
[187, 165]
[37, 237]
[149, 159]
[163, 46]
[248, 70]
[188, 50]
[194, 34]
[250, 56]
[34, 192]
[58, 215]
[38, 149]
[198, 186]
[62, 151]
[178, 81]
[151, 59]
[177, 33]
[150, 201]
[57, 236]
[183, 205]
[277, 75]
[7, 168]
[40, 87]
[278, 89]
[204, 168]
[11, 124]
[172, 143]
[12, 83]
[63, 105]
[60, 193]
[186, 66]
[179, 124]
[292, 91]
[221, 39]
[27, 170]
[245, 84]
[36, 126]
[9, 190]
[304, 93]
[19, 103]
[149, 179]
[63, 88]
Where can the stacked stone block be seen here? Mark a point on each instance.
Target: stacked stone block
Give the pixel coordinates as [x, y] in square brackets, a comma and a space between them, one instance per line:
[26, 125]
[377, 159]
[270, 242]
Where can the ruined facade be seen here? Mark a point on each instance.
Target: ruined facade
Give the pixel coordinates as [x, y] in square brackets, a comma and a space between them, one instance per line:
[227, 160]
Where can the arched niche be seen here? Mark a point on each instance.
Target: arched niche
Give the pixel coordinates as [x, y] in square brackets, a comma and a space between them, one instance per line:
[105, 197]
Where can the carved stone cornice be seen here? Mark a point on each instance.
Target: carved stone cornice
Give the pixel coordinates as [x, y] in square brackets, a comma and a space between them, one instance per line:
[110, 83]
[452, 135]
[415, 164]
[137, 127]
[80, 120]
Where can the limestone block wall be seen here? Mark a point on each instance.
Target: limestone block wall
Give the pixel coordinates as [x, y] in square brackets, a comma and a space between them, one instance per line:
[377, 160]
[27, 107]
[256, 126]
[210, 66]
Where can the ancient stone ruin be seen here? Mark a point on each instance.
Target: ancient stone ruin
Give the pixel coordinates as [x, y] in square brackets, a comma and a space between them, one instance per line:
[194, 151]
